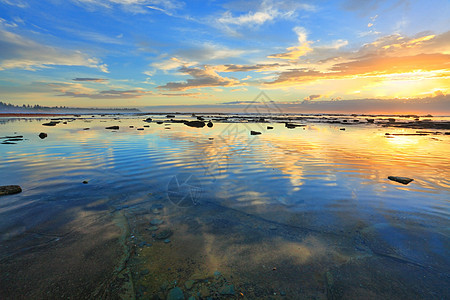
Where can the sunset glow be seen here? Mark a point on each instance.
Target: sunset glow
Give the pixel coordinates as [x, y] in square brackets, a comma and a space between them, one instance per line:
[147, 53]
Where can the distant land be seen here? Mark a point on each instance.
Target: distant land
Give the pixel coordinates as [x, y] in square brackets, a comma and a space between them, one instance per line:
[11, 108]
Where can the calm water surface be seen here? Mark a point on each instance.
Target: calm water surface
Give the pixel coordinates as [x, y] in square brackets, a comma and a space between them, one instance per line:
[304, 213]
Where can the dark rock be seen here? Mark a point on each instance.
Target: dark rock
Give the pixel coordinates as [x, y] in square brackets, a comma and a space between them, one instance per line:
[85, 128]
[227, 290]
[210, 124]
[175, 294]
[52, 123]
[140, 129]
[9, 190]
[342, 129]
[170, 116]
[146, 126]
[156, 222]
[269, 127]
[164, 234]
[148, 120]
[370, 120]
[8, 143]
[403, 180]
[42, 135]
[159, 122]
[85, 182]
[131, 126]
[198, 124]
[112, 127]
[255, 132]
[200, 119]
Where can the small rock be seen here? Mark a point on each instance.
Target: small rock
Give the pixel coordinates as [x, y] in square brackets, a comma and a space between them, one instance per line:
[153, 228]
[227, 290]
[140, 129]
[403, 180]
[156, 222]
[42, 135]
[146, 126]
[175, 294]
[167, 241]
[10, 189]
[198, 124]
[342, 129]
[255, 132]
[86, 128]
[50, 124]
[164, 234]
[112, 127]
[85, 182]
[131, 126]
[189, 284]
[210, 124]
[269, 127]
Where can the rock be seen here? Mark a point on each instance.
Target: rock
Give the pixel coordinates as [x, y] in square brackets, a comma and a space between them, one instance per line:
[227, 290]
[200, 119]
[175, 294]
[269, 127]
[254, 132]
[370, 120]
[204, 292]
[9, 190]
[170, 116]
[42, 135]
[156, 222]
[210, 124]
[403, 180]
[131, 126]
[85, 182]
[146, 126]
[148, 120]
[164, 234]
[112, 127]
[217, 274]
[159, 122]
[343, 129]
[140, 129]
[167, 241]
[189, 284]
[198, 124]
[86, 128]
[153, 228]
[52, 123]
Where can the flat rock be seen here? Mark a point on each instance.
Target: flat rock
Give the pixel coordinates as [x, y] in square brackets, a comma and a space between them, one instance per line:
[112, 127]
[255, 132]
[156, 222]
[227, 290]
[9, 190]
[198, 124]
[175, 294]
[164, 234]
[403, 180]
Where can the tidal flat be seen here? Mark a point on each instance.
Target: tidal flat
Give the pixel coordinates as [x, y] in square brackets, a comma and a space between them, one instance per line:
[157, 208]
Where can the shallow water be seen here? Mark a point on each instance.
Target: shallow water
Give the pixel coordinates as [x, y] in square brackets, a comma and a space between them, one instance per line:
[291, 213]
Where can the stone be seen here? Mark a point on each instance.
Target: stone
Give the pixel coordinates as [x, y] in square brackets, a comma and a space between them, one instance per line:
[403, 180]
[86, 128]
[343, 129]
[156, 222]
[189, 284]
[85, 182]
[175, 294]
[204, 292]
[50, 124]
[9, 190]
[198, 124]
[167, 241]
[227, 290]
[42, 135]
[153, 228]
[140, 129]
[269, 127]
[164, 234]
[210, 124]
[254, 132]
[112, 127]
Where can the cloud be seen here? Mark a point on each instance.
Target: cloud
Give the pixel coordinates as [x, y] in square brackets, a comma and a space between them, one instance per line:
[205, 77]
[134, 6]
[195, 95]
[18, 3]
[109, 94]
[22, 53]
[90, 79]
[246, 68]
[209, 51]
[294, 53]
[312, 97]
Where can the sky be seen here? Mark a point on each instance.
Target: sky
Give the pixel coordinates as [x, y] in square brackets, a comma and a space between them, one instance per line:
[172, 53]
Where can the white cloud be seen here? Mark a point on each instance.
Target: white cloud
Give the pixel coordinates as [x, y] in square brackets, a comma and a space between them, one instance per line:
[20, 52]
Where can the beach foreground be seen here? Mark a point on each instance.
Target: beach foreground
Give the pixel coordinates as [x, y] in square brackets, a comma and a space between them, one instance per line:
[247, 208]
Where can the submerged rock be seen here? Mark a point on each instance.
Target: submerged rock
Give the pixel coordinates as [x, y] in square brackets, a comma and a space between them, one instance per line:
[403, 180]
[9, 190]
[227, 290]
[156, 222]
[42, 135]
[112, 127]
[164, 234]
[175, 294]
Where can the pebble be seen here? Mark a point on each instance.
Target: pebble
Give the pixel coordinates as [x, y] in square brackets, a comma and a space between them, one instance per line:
[227, 290]
[156, 222]
[167, 241]
[189, 284]
[153, 228]
[164, 234]
[175, 294]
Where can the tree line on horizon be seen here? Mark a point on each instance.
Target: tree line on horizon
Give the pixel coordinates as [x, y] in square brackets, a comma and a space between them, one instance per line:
[9, 107]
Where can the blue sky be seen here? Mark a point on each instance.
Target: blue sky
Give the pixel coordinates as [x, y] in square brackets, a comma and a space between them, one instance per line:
[136, 53]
